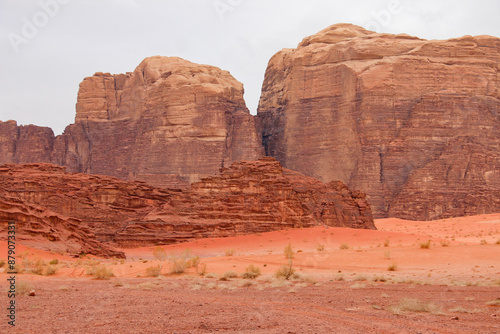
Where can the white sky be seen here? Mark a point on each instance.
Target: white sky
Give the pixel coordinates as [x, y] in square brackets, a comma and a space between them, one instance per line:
[39, 82]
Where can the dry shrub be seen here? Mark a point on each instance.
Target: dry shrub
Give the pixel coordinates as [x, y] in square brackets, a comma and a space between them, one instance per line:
[18, 268]
[230, 252]
[35, 266]
[159, 253]
[230, 274]
[50, 270]
[339, 278]
[193, 262]
[303, 278]
[54, 261]
[379, 279]
[359, 278]
[414, 305]
[251, 272]
[153, 271]
[246, 284]
[344, 246]
[495, 302]
[211, 275]
[179, 263]
[288, 252]
[425, 245]
[91, 262]
[118, 284]
[24, 255]
[147, 286]
[284, 272]
[445, 243]
[460, 309]
[2, 263]
[320, 248]
[23, 287]
[201, 269]
[100, 271]
[178, 266]
[393, 267]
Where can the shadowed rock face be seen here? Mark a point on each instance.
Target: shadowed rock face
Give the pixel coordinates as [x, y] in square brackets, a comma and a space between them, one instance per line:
[413, 123]
[84, 210]
[169, 123]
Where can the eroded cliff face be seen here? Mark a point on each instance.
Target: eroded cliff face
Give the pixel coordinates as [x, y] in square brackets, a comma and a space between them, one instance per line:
[41, 200]
[169, 123]
[23, 144]
[79, 212]
[413, 123]
[259, 196]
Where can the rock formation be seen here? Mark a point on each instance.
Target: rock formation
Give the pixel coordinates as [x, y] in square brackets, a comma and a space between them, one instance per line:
[251, 197]
[248, 197]
[41, 228]
[20, 144]
[27, 196]
[413, 123]
[169, 123]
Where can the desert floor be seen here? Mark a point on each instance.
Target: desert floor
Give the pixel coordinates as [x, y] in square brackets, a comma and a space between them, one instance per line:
[347, 281]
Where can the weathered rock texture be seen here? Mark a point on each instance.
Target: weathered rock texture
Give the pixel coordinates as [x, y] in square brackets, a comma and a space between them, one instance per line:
[248, 197]
[41, 202]
[260, 196]
[413, 123]
[169, 123]
[19, 144]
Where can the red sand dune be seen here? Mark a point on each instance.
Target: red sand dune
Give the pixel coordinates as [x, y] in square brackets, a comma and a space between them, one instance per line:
[459, 277]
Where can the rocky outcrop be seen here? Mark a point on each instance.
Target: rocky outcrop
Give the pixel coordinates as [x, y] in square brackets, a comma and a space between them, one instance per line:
[23, 144]
[59, 211]
[248, 197]
[42, 228]
[413, 123]
[169, 123]
[252, 197]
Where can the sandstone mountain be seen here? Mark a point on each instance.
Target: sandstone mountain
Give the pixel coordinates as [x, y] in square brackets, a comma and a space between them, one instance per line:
[169, 123]
[413, 123]
[82, 213]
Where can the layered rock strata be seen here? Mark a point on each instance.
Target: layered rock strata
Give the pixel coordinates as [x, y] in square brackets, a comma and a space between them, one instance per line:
[413, 123]
[169, 123]
[247, 197]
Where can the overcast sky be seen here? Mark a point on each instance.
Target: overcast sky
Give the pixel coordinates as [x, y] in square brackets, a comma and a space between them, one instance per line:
[48, 46]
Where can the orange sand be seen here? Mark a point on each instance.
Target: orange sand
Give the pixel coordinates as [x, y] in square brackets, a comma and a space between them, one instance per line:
[470, 254]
